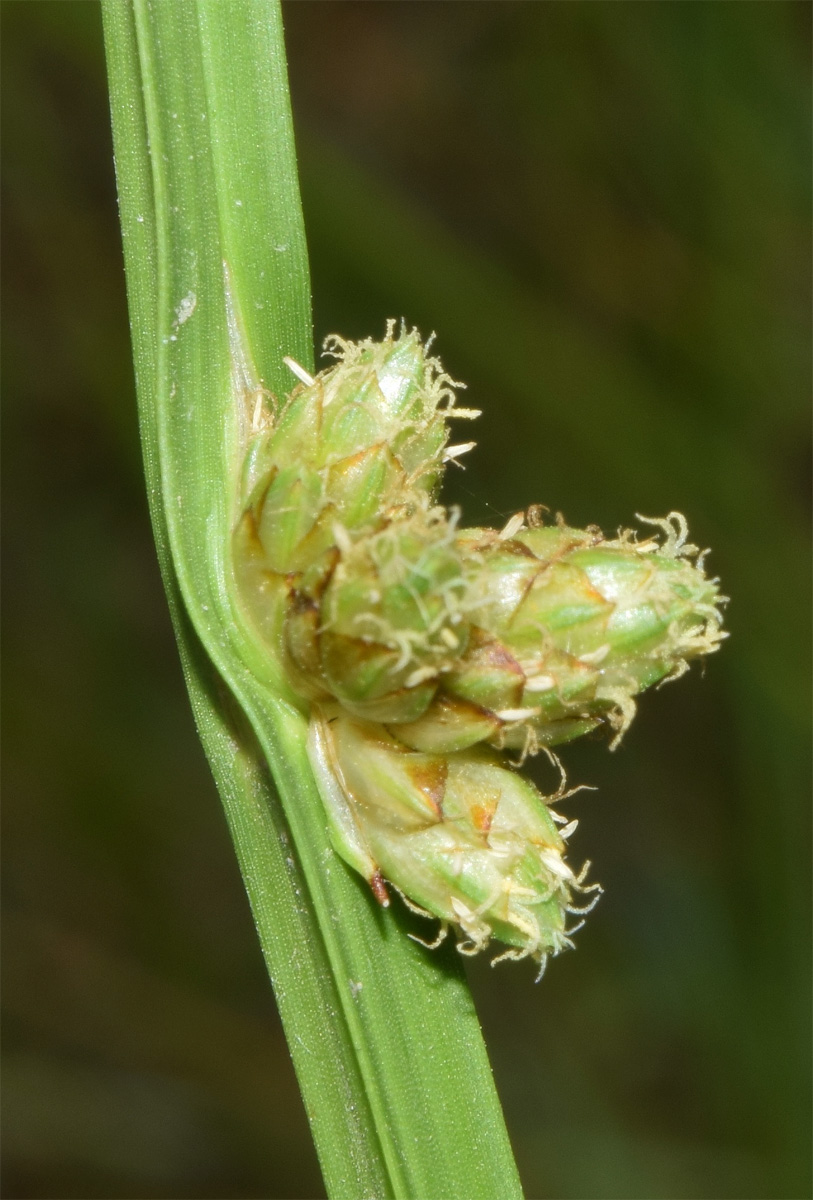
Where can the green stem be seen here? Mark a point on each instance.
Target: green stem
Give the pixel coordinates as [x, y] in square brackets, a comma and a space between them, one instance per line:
[383, 1035]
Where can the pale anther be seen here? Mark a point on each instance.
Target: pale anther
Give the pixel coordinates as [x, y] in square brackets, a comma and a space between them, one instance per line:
[511, 527]
[540, 683]
[517, 714]
[452, 452]
[300, 372]
[596, 656]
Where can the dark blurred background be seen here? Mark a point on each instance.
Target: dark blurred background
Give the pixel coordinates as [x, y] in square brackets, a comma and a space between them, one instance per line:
[603, 210]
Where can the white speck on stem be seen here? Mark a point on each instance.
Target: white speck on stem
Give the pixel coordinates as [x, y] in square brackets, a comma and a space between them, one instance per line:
[185, 309]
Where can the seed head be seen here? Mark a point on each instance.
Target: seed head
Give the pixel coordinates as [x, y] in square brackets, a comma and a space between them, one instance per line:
[426, 650]
[565, 629]
[375, 623]
[461, 836]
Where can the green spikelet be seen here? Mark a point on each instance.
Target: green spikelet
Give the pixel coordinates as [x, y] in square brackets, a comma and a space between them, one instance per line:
[363, 441]
[426, 650]
[565, 628]
[461, 836]
[375, 623]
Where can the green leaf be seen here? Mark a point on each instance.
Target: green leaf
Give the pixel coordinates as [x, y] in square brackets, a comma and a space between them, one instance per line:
[383, 1035]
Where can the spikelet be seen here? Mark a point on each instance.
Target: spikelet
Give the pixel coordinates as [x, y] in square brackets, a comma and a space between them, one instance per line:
[360, 444]
[565, 628]
[461, 836]
[375, 624]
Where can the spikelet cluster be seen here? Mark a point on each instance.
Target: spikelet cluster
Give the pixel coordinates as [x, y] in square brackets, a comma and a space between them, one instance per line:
[427, 651]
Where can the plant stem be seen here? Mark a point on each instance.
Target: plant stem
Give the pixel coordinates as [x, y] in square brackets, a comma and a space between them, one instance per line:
[384, 1037]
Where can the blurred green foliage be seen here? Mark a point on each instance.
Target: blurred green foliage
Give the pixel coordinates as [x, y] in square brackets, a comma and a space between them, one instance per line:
[603, 210]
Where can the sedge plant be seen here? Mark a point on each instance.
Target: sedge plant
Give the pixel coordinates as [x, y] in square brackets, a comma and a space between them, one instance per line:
[366, 673]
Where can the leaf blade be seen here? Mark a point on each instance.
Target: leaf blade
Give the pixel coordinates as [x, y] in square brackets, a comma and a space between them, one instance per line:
[384, 1038]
